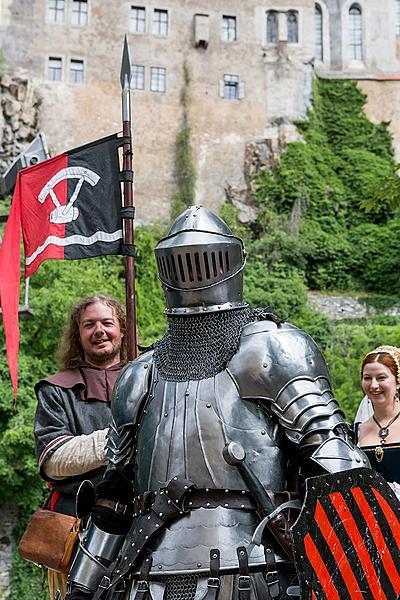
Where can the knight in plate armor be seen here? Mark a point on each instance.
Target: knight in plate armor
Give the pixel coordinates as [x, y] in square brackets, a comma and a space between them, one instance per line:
[213, 431]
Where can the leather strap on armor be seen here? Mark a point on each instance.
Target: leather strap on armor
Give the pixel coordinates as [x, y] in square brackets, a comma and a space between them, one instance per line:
[213, 583]
[244, 585]
[201, 498]
[272, 576]
[166, 508]
[118, 507]
[143, 590]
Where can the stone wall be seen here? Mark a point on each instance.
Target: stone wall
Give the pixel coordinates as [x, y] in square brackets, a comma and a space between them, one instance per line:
[19, 117]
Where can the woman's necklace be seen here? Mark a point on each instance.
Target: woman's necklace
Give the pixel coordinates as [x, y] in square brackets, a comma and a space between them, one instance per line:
[383, 434]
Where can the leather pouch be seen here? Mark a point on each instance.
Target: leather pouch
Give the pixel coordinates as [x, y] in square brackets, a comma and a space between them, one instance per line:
[50, 540]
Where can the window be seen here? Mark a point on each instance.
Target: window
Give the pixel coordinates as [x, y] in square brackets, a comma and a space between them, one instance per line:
[228, 32]
[397, 17]
[292, 27]
[54, 68]
[319, 47]
[158, 77]
[272, 27]
[56, 11]
[138, 19]
[160, 22]
[79, 14]
[231, 87]
[137, 81]
[76, 71]
[355, 33]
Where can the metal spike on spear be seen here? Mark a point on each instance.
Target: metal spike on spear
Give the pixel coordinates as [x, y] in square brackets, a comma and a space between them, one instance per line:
[128, 210]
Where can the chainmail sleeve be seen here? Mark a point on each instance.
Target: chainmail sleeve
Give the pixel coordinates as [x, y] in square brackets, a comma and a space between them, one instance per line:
[282, 367]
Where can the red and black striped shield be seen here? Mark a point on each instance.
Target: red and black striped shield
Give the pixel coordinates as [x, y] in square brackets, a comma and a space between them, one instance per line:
[347, 538]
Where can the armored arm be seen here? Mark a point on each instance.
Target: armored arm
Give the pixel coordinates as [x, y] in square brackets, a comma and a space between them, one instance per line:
[112, 513]
[282, 367]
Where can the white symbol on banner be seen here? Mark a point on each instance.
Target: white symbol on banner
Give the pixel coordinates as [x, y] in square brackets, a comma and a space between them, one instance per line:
[69, 212]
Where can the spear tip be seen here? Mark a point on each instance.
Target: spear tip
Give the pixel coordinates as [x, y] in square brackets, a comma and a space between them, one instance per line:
[125, 65]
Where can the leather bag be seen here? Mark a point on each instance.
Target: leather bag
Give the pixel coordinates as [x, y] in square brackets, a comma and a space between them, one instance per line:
[50, 540]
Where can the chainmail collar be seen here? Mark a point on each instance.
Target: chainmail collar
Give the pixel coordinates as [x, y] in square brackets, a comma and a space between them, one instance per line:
[200, 346]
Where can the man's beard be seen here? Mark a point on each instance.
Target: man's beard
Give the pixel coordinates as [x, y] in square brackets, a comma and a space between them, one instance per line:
[103, 356]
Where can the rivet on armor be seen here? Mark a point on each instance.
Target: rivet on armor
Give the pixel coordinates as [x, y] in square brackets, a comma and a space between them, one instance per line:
[169, 502]
[138, 550]
[208, 504]
[148, 518]
[160, 514]
[118, 571]
[358, 459]
[242, 506]
[175, 478]
[160, 566]
[207, 489]
[147, 559]
[125, 558]
[146, 537]
[190, 503]
[181, 512]
[268, 549]
[146, 366]
[133, 543]
[198, 565]
[243, 491]
[226, 505]
[140, 530]
[226, 491]
[265, 365]
[241, 553]
[157, 525]
[214, 555]
[208, 405]
[263, 432]
[185, 487]
[165, 414]
[187, 393]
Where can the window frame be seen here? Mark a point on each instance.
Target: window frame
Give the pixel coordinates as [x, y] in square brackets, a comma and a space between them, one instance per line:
[82, 71]
[134, 72]
[319, 32]
[355, 35]
[49, 67]
[295, 14]
[79, 13]
[136, 20]
[157, 25]
[275, 14]
[160, 70]
[231, 81]
[55, 10]
[225, 30]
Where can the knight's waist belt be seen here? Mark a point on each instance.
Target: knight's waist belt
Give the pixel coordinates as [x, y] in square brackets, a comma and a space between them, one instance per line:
[200, 498]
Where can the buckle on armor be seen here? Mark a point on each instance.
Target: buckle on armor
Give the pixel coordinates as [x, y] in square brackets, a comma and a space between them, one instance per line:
[120, 508]
[105, 582]
[272, 579]
[213, 582]
[244, 582]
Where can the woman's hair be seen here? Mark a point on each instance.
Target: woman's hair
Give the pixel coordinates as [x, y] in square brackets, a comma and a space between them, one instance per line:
[385, 355]
[69, 353]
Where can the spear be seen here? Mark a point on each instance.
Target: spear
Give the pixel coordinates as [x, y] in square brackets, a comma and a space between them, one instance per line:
[128, 211]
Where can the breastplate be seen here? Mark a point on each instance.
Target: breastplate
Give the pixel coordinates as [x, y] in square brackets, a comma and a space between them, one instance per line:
[183, 430]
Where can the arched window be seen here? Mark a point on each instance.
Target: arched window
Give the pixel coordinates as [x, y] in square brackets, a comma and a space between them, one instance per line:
[319, 45]
[397, 17]
[272, 27]
[355, 33]
[292, 27]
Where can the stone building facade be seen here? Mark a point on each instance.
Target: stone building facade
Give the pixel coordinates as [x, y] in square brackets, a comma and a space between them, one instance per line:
[251, 64]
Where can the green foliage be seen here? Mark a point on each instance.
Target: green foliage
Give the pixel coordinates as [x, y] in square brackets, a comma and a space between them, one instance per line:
[341, 165]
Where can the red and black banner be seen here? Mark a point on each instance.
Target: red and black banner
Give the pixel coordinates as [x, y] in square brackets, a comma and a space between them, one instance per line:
[71, 205]
[347, 538]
